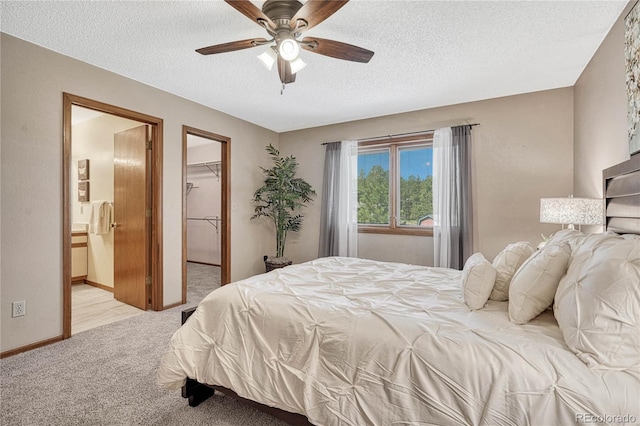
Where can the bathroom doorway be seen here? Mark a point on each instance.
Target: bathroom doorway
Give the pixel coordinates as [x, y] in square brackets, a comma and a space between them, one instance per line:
[112, 198]
[205, 246]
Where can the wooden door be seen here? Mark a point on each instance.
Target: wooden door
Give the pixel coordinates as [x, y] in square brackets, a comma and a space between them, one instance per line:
[131, 208]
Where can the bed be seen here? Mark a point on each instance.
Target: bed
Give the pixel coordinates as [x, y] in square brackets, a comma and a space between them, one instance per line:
[345, 341]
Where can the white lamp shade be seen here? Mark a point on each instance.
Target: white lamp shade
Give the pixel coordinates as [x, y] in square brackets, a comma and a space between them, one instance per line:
[268, 58]
[571, 211]
[288, 49]
[297, 64]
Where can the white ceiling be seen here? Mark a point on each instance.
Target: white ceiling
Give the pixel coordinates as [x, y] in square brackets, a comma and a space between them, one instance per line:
[427, 53]
[194, 141]
[80, 115]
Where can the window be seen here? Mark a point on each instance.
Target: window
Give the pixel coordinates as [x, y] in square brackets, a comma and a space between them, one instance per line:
[395, 185]
[373, 187]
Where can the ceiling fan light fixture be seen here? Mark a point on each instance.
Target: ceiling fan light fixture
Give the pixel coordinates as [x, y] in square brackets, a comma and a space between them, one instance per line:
[297, 64]
[288, 49]
[285, 21]
[268, 58]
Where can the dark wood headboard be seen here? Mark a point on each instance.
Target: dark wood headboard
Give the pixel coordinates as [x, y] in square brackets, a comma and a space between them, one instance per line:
[622, 196]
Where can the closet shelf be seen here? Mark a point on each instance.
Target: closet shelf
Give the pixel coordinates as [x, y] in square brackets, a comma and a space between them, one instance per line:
[213, 166]
[212, 220]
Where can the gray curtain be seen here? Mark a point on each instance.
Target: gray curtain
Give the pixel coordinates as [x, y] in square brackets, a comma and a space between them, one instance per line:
[329, 232]
[462, 208]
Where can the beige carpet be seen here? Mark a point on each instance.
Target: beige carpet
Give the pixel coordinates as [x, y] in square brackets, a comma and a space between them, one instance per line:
[106, 376]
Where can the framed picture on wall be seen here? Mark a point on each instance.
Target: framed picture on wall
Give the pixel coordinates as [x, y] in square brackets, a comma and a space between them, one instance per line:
[83, 192]
[632, 66]
[83, 169]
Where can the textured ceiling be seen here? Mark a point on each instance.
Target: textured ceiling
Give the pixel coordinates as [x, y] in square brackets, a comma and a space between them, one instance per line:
[427, 53]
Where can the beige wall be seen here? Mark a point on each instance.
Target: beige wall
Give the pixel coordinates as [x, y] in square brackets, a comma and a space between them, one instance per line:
[600, 101]
[522, 151]
[33, 80]
[396, 248]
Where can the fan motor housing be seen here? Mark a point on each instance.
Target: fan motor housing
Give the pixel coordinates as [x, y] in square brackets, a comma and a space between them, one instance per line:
[281, 11]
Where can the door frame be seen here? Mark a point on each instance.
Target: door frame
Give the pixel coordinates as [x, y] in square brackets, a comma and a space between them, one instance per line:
[156, 272]
[225, 206]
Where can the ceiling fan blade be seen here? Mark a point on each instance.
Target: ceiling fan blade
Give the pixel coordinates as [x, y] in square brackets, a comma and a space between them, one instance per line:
[284, 71]
[316, 11]
[336, 49]
[230, 47]
[251, 11]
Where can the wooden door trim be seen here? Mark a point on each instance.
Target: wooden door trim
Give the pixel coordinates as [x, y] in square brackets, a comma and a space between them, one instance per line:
[68, 100]
[225, 239]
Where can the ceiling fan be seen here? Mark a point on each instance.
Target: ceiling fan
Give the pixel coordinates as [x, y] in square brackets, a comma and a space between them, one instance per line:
[285, 21]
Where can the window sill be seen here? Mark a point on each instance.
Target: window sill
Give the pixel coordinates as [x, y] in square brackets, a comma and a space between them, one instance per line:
[423, 232]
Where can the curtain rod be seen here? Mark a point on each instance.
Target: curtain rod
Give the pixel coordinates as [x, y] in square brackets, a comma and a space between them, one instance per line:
[400, 134]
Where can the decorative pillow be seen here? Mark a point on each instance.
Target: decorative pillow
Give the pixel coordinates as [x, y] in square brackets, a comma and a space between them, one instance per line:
[507, 263]
[597, 304]
[534, 285]
[478, 276]
[570, 236]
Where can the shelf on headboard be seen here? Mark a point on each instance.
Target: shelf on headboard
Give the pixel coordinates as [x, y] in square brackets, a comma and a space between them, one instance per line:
[621, 188]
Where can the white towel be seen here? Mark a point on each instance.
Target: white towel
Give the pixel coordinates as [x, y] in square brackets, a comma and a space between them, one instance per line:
[100, 219]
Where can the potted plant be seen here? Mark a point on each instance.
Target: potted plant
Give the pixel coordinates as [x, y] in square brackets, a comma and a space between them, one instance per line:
[279, 199]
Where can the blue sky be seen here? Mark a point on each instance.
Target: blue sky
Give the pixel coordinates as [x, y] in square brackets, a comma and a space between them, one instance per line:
[417, 163]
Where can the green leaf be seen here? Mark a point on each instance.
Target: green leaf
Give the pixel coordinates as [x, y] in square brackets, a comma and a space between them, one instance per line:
[281, 195]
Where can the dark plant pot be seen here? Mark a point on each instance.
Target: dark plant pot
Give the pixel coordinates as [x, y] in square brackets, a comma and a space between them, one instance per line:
[270, 264]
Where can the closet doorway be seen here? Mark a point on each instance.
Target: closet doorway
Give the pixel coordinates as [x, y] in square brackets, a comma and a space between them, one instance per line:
[205, 208]
[112, 197]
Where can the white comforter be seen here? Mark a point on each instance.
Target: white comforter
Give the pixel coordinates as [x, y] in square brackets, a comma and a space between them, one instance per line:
[355, 342]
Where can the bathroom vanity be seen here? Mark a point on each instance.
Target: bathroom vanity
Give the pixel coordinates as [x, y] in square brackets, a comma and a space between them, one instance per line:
[79, 250]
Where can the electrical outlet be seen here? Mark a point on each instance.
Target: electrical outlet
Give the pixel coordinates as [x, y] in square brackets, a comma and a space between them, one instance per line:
[18, 309]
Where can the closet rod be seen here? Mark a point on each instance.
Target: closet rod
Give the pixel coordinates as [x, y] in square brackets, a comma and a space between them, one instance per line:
[212, 220]
[203, 163]
[217, 165]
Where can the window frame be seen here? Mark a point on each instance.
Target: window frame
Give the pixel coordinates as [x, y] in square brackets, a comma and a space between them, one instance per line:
[394, 143]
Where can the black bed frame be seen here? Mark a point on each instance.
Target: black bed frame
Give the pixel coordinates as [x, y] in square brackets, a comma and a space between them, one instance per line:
[621, 189]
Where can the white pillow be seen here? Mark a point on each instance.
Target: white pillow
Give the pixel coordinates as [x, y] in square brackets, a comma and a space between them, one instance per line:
[597, 304]
[570, 236]
[478, 276]
[534, 285]
[507, 263]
